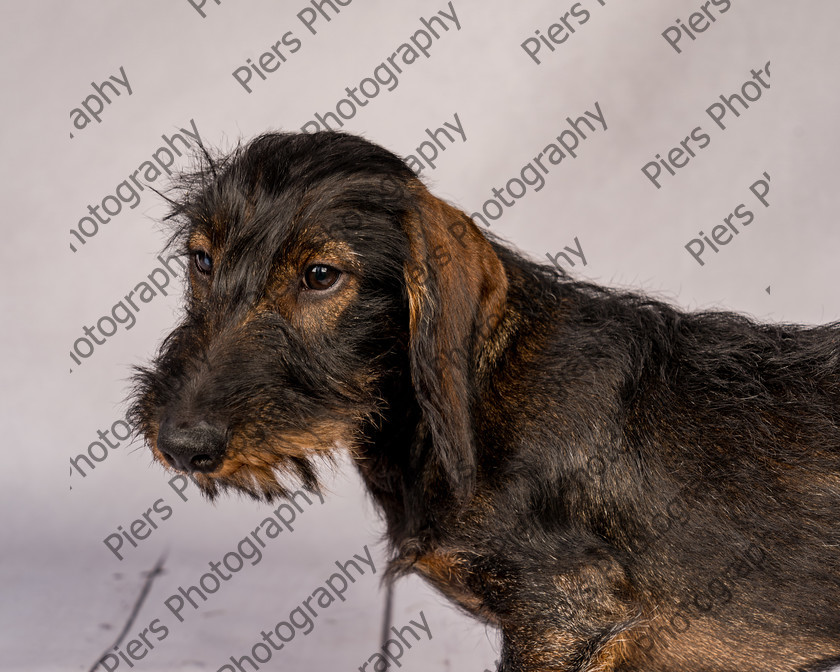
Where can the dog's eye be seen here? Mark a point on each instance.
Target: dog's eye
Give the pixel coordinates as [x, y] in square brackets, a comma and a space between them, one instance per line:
[320, 276]
[203, 262]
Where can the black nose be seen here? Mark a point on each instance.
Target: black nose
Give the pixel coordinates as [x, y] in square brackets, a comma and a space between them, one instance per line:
[196, 446]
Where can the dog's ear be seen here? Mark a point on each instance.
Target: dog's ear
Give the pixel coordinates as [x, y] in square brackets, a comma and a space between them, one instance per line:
[457, 288]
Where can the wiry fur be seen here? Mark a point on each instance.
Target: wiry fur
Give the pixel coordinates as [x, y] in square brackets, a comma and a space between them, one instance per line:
[615, 483]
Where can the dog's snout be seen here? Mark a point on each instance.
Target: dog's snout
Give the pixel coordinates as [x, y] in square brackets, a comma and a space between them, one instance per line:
[191, 447]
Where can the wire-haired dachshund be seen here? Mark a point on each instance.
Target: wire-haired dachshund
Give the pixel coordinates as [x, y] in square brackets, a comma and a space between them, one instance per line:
[612, 482]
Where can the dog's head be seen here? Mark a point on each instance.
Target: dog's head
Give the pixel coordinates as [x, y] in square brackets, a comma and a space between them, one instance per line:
[322, 276]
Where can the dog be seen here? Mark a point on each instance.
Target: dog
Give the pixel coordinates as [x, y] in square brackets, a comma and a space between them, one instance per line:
[613, 483]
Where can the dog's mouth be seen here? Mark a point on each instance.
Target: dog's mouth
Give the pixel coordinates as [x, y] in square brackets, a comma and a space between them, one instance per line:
[252, 461]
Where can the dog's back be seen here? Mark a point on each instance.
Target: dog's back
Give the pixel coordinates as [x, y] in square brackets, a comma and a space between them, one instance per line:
[704, 448]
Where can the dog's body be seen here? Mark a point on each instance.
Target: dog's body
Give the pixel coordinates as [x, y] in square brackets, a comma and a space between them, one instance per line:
[615, 484]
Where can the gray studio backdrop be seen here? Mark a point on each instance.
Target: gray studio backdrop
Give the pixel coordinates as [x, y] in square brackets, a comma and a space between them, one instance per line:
[682, 147]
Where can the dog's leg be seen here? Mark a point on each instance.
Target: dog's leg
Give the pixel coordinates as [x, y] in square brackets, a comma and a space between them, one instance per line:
[560, 651]
[576, 621]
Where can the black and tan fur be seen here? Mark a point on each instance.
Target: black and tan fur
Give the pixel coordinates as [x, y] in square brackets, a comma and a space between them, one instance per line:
[612, 482]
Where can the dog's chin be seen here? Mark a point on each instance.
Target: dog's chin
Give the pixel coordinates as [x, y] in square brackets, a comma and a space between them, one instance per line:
[270, 465]
[263, 482]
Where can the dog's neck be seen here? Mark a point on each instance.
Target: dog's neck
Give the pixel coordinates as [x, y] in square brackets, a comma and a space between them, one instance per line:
[389, 462]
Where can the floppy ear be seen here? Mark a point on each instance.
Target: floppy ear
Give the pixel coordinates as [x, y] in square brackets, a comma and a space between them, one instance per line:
[457, 288]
